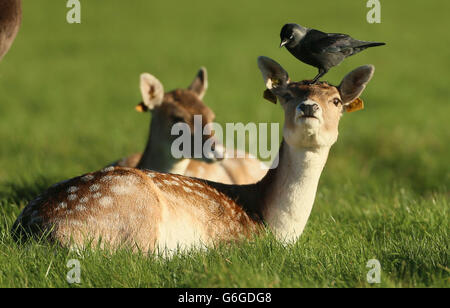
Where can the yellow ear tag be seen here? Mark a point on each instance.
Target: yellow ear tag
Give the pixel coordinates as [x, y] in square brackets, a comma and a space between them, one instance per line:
[356, 105]
[141, 107]
[275, 83]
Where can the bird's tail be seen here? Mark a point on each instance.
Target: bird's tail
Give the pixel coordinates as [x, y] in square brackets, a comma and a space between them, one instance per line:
[372, 44]
[363, 45]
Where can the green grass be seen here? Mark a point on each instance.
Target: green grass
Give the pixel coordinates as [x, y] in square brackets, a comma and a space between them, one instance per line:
[68, 93]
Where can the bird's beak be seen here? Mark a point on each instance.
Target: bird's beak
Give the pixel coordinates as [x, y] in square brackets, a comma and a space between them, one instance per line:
[284, 42]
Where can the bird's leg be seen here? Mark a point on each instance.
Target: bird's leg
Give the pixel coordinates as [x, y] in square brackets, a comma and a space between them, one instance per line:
[321, 73]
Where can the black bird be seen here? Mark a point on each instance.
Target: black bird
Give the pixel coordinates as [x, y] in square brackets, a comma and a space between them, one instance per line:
[320, 49]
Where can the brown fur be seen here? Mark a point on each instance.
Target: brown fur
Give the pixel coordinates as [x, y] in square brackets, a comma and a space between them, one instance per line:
[147, 209]
[230, 212]
[123, 206]
[181, 105]
[322, 93]
[10, 19]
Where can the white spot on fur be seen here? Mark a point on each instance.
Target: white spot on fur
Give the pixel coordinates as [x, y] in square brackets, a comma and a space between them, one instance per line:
[72, 189]
[175, 179]
[97, 195]
[108, 169]
[120, 189]
[94, 187]
[72, 197]
[105, 201]
[62, 206]
[80, 207]
[84, 200]
[187, 189]
[198, 185]
[106, 178]
[175, 183]
[201, 194]
[87, 178]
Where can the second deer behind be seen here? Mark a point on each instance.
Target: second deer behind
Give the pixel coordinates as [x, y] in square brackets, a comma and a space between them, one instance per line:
[180, 106]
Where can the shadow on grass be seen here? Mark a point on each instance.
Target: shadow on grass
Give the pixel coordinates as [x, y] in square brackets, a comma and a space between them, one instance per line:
[24, 190]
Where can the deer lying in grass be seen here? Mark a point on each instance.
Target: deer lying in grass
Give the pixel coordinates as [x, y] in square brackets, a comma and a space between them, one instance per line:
[180, 106]
[10, 19]
[153, 211]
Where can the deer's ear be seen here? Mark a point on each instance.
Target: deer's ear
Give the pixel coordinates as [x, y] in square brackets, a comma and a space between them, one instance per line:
[200, 83]
[152, 92]
[275, 77]
[268, 95]
[354, 83]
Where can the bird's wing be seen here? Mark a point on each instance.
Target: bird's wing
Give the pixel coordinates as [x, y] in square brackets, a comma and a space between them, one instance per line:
[333, 42]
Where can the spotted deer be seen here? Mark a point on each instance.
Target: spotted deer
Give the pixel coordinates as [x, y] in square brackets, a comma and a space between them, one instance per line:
[152, 211]
[10, 19]
[180, 106]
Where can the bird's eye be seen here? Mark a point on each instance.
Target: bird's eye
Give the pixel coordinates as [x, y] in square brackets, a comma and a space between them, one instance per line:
[337, 101]
[291, 37]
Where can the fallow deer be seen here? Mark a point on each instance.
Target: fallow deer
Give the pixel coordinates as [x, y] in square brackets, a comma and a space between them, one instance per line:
[10, 19]
[180, 106]
[153, 211]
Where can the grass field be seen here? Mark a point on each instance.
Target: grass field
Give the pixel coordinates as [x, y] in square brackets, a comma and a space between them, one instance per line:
[67, 98]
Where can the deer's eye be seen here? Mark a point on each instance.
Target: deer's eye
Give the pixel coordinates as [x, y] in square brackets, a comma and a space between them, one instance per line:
[337, 101]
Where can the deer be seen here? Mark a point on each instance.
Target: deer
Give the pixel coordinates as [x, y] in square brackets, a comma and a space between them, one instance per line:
[10, 20]
[180, 106]
[158, 212]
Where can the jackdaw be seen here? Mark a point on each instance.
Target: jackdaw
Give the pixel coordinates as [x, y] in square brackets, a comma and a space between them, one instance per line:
[320, 49]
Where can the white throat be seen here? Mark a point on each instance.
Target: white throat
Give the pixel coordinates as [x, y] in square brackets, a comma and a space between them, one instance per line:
[292, 192]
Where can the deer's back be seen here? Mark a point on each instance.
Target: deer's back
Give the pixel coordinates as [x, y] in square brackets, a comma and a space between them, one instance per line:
[144, 209]
[237, 170]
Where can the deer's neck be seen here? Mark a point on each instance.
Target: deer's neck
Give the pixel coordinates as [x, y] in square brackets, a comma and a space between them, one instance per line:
[157, 155]
[284, 198]
[288, 191]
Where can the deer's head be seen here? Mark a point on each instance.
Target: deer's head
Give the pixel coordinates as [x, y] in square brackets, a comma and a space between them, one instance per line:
[312, 111]
[177, 106]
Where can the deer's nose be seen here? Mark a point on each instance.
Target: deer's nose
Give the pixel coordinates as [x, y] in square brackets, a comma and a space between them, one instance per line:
[308, 109]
